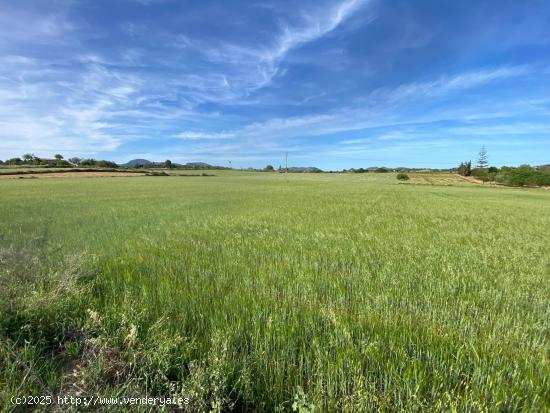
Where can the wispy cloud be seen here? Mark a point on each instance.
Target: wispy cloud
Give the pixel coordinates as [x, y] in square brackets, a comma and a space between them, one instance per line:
[449, 84]
[314, 77]
[386, 106]
[189, 135]
[252, 67]
[73, 114]
[89, 102]
[314, 28]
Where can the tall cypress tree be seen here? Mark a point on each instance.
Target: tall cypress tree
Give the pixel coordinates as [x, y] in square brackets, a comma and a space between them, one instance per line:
[483, 161]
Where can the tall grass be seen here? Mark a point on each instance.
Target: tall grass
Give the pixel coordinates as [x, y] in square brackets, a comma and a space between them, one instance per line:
[325, 292]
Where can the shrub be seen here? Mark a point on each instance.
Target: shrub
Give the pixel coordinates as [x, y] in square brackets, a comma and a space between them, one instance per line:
[524, 175]
[479, 172]
[107, 164]
[88, 162]
[402, 176]
[100, 163]
[491, 176]
[527, 175]
[61, 163]
[14, 161]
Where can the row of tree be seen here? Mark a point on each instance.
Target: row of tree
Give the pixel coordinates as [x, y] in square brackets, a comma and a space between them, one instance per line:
[58, 161]
[31, 159]
[524, 175]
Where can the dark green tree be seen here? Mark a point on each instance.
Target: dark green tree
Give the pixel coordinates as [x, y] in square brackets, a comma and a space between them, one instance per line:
[465, 168]
[28, 157]
[14, 161]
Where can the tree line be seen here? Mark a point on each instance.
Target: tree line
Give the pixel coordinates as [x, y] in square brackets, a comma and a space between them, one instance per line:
[57, 161]
[523, 175]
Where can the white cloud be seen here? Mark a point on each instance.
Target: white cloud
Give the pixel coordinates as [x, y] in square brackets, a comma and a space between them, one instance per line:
[390, 108]
[189, 135]
[449, 84]
[96, 101]
[73, 115]
[251, 67]
[315, 28]
[521, 128]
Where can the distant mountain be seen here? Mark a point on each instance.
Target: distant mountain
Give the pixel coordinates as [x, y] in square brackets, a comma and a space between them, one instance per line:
[304, 169]
[139, 162]
[197, 165]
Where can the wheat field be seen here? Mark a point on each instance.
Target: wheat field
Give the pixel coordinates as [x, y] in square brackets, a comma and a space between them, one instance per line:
[278, 292]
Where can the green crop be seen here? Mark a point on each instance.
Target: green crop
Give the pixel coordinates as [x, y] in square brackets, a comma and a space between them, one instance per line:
[267, 291]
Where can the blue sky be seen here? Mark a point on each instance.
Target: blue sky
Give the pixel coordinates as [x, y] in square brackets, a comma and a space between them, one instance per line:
[336, 84]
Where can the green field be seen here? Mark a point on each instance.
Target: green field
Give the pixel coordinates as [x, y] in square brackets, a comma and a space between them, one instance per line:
[278, 292]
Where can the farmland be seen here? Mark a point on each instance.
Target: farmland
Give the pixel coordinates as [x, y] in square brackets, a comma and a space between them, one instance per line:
[267, 291]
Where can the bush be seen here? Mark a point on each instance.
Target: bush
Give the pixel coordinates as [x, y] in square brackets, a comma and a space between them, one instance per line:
[479, 172]
[14, 161]
[524, 175]
[59, 163]
[107, 164]
[527, 175]
[491, 176]
[402, 176]
[88, 162]
[381, 170]
[101, 163]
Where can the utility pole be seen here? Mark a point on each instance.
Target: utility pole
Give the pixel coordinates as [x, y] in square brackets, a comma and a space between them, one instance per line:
[286, 162]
